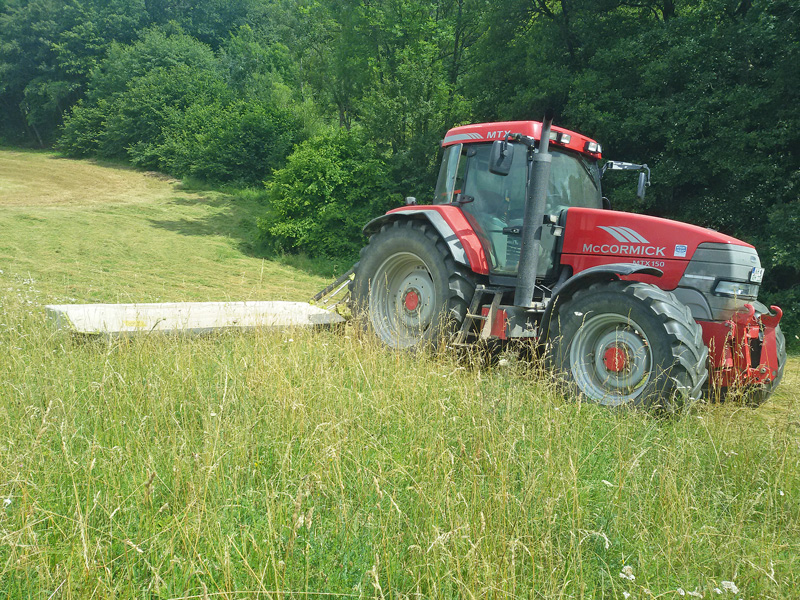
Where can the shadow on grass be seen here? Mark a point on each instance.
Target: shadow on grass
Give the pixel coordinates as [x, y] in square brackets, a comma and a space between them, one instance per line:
[225, 215]
[235, 216]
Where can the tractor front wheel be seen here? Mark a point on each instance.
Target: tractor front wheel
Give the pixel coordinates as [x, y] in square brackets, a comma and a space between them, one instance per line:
[628, 343]
[407, 288]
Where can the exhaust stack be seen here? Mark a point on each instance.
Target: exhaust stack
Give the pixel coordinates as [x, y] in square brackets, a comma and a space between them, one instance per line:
[538, 178]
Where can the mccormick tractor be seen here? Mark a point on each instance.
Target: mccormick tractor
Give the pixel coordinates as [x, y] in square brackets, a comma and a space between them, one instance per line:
[520, 243]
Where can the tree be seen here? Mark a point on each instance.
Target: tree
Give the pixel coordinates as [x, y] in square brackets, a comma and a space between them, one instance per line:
[706, 93]
[47, 52]
[135, 91]
[241, 142]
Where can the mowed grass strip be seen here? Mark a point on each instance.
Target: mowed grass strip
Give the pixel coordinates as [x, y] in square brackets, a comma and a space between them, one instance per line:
[292, 464]
[75, 231]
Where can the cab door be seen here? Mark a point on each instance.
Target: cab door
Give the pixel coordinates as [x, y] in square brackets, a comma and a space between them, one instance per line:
[494, 205]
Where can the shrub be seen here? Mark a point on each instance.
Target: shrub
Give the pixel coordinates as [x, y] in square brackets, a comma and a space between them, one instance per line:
[241, 142]
[136, 92]
[153, 104]
[330, 187]
[165, 103]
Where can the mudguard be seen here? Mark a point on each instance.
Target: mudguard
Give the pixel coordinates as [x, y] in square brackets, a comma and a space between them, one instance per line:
[609, 272]
[451, 224]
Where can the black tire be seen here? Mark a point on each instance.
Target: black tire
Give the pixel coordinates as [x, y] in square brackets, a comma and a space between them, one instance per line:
[407, 288]
[629, 344]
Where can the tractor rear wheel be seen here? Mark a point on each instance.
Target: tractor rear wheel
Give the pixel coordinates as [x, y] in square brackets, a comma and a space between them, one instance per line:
[628, 343]
[407, 288]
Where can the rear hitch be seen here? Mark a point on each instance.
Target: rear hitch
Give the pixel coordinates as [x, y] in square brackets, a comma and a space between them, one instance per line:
[335, 293]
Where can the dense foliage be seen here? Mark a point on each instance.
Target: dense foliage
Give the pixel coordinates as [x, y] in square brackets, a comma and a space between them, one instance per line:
[331, 186]
[169, 102]
[704, 91]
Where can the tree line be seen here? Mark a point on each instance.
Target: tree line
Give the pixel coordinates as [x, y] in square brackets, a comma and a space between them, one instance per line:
[338, 106]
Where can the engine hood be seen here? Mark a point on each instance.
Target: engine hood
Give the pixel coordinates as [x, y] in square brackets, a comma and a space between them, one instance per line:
[621, 234]
[594, 237]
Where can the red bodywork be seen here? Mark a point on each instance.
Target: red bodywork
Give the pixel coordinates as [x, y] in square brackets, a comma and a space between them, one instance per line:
[488, 132]
[597, 237]
[742, 350]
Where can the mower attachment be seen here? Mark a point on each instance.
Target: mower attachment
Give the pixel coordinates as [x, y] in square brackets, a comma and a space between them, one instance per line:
[743, 350]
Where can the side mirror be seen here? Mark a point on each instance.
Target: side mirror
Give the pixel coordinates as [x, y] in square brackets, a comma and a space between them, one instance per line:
[640, 189]
[500, 157]
[644, 173]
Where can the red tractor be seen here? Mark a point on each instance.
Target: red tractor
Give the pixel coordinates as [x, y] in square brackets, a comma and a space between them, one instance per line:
[520, 243]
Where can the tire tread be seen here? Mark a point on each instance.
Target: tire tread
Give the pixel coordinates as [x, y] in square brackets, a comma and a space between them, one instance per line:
[688, 370]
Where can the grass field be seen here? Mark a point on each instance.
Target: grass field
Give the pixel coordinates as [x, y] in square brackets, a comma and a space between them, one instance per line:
[298, 465]
[76, 231]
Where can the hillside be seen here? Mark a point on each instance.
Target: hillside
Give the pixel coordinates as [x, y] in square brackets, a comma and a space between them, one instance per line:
[299, 465]
[75, 231]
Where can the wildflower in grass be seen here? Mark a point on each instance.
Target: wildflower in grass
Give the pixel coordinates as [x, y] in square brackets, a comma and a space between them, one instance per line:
[681, 592]
[626, 595]
[7, 502]
[627, 573]
[729, 586]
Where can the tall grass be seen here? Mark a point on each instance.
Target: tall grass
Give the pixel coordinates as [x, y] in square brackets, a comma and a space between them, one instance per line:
[277, 465]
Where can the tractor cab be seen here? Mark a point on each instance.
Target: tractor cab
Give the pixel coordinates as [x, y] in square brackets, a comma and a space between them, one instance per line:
[494, 204]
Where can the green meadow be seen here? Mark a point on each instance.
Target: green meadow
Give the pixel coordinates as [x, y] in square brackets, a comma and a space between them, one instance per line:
[302, 464]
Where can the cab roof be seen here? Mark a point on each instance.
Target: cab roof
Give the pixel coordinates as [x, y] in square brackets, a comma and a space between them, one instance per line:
[488, 132]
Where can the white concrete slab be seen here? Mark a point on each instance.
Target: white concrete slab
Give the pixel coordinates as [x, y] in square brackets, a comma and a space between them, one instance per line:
[187, 317]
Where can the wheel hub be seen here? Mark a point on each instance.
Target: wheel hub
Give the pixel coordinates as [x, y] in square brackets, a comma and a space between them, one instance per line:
[616, 358]
[611, 359]
[403, 300]
[411, 300]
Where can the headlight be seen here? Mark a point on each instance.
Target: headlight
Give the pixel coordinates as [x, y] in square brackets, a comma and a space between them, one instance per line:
[736, 289]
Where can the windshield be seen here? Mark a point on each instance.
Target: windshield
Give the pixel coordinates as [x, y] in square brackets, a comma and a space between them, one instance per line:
[574, 179]
[495, 204]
